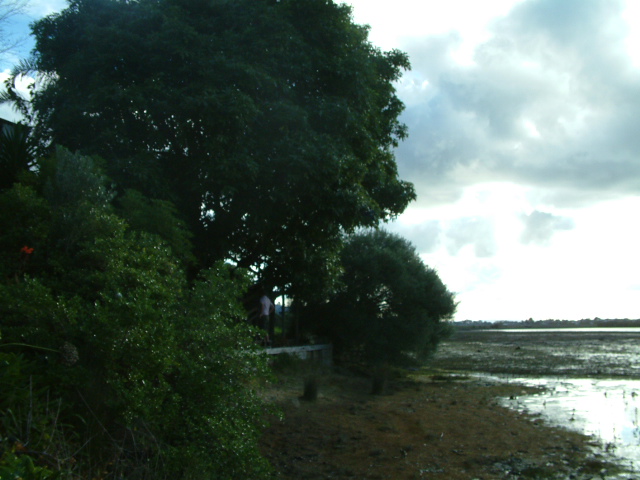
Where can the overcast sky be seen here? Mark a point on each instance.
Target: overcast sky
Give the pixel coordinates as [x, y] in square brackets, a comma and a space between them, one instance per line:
[524, 149]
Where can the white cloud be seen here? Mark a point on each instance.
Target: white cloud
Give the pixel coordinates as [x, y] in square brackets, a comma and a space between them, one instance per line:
[6, 110]
[474, 232]
[540, 227]
[41, 8]
[393, 24]
[526, 155]
[534, 108]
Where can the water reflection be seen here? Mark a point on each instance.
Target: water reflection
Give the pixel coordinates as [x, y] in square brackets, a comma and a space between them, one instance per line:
[605, 409]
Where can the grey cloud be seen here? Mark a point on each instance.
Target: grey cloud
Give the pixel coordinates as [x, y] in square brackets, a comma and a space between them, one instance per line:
[485, 274]
[541, 226]
[477, 232]
[426, 237]
[439, 137]
[561, 197]
[437, 144]
[580, 180]
[584, 26]
[551, 102]
[434, 55]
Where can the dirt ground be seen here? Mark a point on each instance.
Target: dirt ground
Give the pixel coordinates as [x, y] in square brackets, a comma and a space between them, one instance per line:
[422, 427]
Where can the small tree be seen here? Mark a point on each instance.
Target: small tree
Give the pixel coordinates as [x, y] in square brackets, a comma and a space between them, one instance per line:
[391, 308]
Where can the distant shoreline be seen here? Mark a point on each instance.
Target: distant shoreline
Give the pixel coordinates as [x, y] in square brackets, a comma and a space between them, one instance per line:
[546, 324]
[559, 329]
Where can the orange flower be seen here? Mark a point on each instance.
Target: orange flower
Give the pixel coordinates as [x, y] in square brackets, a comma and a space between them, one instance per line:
[27, 250]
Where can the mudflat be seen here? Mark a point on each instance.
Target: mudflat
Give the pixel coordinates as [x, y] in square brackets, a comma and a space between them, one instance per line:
[431, 424]
[586, 353]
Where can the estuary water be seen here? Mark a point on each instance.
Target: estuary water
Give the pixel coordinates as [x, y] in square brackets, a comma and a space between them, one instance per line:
[607, 410]
[607, 330]
[591, 377]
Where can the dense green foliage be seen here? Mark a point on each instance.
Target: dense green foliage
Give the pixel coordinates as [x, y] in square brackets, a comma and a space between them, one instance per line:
[125, 366]
[390, 308]
[188, 149]
[269, 124]
[16, 153]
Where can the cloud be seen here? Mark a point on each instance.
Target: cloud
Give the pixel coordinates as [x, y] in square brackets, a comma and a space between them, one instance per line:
[541, 226]
[41, 8]
[549, 103]
[475, 232]
[535, 111]
[7, 110]
[426, 237]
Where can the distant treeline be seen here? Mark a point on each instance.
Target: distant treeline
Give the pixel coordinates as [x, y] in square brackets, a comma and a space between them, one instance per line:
[584, 323]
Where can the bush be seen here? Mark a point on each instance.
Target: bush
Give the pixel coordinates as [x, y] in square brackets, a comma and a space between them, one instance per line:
[30, 428]
[154, 377]
[391, 308]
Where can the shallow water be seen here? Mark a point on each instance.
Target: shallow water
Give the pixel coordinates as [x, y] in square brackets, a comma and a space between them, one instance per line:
[608, 410]
[564, 330]
[591, 378]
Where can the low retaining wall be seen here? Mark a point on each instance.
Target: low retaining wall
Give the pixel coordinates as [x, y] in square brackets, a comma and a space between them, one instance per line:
[320, 353]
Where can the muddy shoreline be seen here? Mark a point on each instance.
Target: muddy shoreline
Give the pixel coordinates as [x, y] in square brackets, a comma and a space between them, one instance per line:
[593, 354]
[437, 423]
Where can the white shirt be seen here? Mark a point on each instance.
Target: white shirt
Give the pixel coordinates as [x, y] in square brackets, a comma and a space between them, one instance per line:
[265, 305]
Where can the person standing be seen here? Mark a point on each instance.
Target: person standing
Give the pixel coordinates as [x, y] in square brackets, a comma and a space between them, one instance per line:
[267, 308]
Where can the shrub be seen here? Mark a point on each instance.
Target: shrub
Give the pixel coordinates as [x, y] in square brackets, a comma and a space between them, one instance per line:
[154, 377]
[390, 308]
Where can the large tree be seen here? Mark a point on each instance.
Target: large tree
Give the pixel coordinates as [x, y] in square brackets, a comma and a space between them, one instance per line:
[270, 124]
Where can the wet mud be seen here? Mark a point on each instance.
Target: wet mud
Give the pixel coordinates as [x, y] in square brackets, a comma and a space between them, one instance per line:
[441, 423]
[599, 353]
[589, 379]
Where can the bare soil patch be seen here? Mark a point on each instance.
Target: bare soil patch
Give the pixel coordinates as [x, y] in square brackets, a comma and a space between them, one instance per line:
[424, 427]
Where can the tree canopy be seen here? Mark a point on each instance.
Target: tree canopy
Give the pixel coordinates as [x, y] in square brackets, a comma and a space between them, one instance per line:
[390, 308]
[269, 124]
